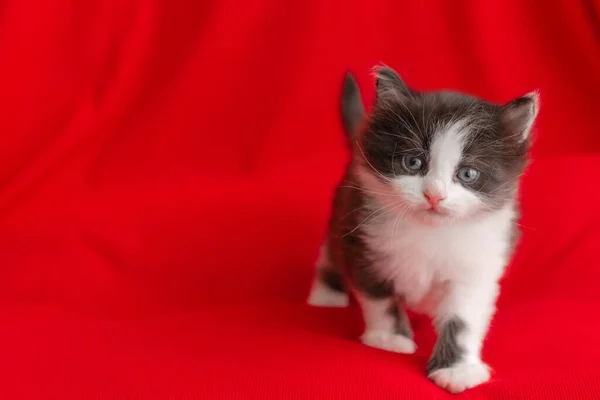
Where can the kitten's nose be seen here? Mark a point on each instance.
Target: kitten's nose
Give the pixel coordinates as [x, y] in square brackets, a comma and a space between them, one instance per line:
[433, 198]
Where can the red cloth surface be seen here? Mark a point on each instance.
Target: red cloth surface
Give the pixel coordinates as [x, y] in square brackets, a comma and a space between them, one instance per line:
[165, 175]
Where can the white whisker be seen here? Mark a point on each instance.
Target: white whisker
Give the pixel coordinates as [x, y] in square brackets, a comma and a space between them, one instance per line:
[370, 191]
[393, 154]
[380, 212]
[398, 219]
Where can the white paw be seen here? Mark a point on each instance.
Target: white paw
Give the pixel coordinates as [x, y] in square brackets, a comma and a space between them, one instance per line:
[461, 377]
[323, 296]
[389, 341]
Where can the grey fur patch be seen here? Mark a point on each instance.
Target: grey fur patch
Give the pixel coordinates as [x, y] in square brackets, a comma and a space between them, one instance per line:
[387, 82]
[347, 244]
[332, 278]
[447, 351]
[402, 323]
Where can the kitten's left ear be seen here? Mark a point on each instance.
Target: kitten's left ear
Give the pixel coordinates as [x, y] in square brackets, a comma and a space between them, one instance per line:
[519, 115]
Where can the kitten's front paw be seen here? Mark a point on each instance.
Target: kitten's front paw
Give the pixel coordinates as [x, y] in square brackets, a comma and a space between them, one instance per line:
[389, 341]
[461, 377]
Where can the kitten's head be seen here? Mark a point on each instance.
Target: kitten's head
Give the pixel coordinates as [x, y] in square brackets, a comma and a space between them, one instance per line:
[443, 155]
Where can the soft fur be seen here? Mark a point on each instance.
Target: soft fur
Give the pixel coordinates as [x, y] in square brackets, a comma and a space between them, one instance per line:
[411, 228]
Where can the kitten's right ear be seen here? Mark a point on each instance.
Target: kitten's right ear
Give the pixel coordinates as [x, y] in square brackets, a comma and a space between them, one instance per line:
[353, 110]
[388, 82]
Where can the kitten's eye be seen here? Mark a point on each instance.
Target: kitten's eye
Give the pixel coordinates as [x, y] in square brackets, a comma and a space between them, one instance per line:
[467, 175]
[412, 164]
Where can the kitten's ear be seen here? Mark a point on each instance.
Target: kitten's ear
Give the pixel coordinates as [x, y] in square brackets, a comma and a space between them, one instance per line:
[388, 82]
[353, 110]
[519, 115]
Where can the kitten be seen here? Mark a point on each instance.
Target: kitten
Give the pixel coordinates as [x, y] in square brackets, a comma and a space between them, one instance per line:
[425, 218]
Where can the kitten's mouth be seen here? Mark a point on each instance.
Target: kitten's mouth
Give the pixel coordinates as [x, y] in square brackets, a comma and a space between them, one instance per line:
[436, 211]
[433, 216]
[433, 210]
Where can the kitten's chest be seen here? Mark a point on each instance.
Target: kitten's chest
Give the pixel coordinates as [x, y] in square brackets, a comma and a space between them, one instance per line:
[422, 261]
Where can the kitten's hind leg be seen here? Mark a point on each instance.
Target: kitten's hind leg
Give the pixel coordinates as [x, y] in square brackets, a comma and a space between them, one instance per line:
[328, 288]
[386, 324]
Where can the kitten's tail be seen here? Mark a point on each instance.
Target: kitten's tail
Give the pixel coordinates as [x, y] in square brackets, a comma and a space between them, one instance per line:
[352, 108]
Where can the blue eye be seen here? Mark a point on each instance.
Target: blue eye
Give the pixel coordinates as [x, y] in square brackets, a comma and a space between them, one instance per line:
[467, 175]
[412, 164]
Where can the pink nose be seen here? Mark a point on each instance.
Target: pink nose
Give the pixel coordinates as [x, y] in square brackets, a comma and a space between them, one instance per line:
[433, 199]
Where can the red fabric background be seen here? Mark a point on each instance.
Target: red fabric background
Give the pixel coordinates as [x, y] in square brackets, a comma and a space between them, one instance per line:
[165, 175]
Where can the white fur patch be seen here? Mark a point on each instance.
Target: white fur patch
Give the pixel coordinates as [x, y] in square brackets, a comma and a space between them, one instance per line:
[323, 296]
[423, 263]
[445, 153]
[461, 377]
[386, 340]
[380, 326]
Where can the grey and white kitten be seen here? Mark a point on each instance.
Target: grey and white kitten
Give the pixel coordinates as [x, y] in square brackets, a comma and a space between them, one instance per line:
[425, 218]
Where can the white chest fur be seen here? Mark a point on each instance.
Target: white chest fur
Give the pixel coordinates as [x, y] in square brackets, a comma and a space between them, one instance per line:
[422, 260]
